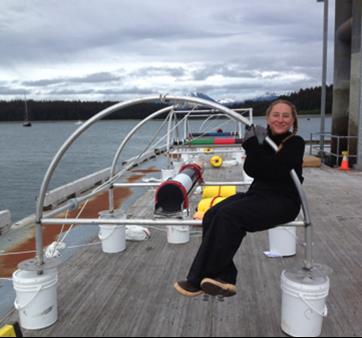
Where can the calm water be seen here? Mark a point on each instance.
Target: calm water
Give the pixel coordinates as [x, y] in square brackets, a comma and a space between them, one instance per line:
[25, 154]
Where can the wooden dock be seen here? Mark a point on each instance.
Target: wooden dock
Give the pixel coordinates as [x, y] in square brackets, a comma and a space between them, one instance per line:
[131, 294]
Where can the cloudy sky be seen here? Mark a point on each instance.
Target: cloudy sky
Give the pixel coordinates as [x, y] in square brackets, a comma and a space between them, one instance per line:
[122, 49]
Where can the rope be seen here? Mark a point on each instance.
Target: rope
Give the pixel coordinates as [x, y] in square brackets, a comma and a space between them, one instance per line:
[71, 227]
[17, 253]
[153, 138]
[83, 245]
[63, 226]
[33, 251]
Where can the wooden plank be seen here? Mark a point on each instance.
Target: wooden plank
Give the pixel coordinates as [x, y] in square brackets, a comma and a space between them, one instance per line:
[311, 162]
[131, 294]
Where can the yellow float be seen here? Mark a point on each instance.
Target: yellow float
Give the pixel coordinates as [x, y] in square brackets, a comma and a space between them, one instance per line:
[11, 330]
[205, 204]
[216, 161]
[218, 190]
[208, 150]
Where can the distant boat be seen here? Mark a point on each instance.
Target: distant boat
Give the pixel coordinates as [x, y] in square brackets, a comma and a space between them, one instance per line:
[27, 122]
[78, 123]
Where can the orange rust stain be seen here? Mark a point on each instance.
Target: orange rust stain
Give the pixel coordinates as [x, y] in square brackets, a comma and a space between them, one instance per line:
[134, 178]
[146, 171]
[8, 264]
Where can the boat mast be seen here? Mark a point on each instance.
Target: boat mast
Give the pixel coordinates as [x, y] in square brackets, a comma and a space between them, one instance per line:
[27, 122]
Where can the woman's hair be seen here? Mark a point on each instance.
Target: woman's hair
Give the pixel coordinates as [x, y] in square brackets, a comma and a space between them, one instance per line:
[295, 116]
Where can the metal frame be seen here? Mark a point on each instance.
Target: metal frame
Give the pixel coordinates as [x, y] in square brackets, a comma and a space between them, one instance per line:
[214, 115]
[145, 222]
[324, 75]
[330, 137]
[39, 259]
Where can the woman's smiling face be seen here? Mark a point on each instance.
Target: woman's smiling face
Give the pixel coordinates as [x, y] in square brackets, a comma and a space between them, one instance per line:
[280, 119]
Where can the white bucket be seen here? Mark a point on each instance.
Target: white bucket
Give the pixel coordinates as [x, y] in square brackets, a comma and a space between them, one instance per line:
[178, 234]
[303, 305]
[113, 237]
[167, 173]
[283, 240]
[36, 298]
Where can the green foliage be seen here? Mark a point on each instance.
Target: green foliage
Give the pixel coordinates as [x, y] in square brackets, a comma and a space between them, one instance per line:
[307, 101]
[70, 110]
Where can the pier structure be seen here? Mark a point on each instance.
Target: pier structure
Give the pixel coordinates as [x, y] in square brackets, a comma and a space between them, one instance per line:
[347, 91]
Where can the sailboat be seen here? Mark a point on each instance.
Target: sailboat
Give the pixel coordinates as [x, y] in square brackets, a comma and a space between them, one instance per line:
[27, 122]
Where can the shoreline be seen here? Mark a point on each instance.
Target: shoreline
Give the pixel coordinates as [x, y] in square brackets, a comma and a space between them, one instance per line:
[300, 115]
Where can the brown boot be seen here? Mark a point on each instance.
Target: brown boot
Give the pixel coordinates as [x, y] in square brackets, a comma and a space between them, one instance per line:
[186, 289]
[217, 287]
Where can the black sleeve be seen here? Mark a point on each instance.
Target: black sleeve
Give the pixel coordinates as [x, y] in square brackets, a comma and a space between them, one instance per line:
[264, 163]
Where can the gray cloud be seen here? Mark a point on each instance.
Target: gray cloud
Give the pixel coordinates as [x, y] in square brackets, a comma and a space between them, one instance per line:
[43, 82]
[91, 78]
[70, 92]
[95, 78]
[4, 90]
[131, 90]
[159, 71]
[136, 44]
[227, 70]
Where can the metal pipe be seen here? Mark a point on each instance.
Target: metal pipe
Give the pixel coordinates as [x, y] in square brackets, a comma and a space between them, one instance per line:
[169, 128]
[156, 184]
[308, 262]
[176, 128]
[210, 111]
[144, 222]
[324, 76]
[39, 243]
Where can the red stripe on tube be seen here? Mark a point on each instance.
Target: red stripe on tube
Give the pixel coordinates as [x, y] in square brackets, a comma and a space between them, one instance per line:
[224, 140]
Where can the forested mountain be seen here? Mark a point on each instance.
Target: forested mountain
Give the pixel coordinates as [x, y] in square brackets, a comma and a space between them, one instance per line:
[307, 101]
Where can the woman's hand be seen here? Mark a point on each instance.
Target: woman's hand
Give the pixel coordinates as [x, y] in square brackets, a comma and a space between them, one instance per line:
[258, 131]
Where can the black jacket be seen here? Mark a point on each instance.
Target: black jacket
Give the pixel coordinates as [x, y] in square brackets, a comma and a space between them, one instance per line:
[270, 169]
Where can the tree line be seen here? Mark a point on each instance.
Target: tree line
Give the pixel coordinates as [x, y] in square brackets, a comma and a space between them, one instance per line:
[307, 101]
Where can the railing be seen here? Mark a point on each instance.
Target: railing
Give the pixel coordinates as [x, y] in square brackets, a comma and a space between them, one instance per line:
[341, 143]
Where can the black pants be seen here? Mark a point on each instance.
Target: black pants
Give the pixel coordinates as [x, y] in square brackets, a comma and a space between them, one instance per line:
[226, 224]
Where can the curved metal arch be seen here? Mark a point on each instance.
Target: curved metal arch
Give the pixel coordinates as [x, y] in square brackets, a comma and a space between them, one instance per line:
[78, 132]
[108, 111]
[124, 143]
